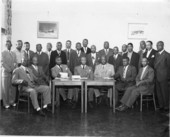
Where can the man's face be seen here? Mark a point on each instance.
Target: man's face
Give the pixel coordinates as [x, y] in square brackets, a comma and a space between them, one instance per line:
[58, 61]
[38, 48]
[68, 45]
[125, 62]
[59, 46]
[148, 45]
[85, 43]
[144, 62]
[78, 46]
[49, 47]
[8, 45]
[103, 60]
[24, 62]
[27, 47]
[19, 45]
[159, 46]
[115, 51]
[83, 61]
[124, 48]
[93, 49]
[35, 61]
[142, 45]
[130, 48]
[106, 45]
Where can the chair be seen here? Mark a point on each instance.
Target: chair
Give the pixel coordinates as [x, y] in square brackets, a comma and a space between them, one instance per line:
[25, 97]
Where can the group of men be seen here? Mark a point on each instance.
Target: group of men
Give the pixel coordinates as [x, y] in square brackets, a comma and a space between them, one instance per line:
[134, 73]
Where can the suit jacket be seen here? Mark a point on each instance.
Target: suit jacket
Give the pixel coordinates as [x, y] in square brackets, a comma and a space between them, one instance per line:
[54, 54]
[162, 66]
[140, 57]
[20, 74]
[56, 70]
[130, 74]
[70, 59]
[110, 53]
[90, 61]
[116, 63]
[86, 72]
[42, 78]
[88, 50]
[29, 57]
[43, 61]
[151, 57]
[8, 63]
[148, 77]
[107, 71]
[134, 59]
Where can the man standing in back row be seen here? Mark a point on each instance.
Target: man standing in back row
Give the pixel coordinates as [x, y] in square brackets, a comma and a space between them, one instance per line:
[85, 48]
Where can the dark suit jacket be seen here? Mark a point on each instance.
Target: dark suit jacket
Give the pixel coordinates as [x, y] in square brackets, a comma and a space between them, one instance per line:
[90, 62]
[88, 50]
[151, 57]
[43, 61]
[162, 66]
[134, 59]
[28, 59]
[116, 63]
[54, 54]
[110, 53]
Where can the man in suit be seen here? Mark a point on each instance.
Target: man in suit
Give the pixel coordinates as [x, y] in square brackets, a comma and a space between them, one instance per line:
[162, 71]
[56, 53]
[124, 49]
[28, 54]
[106, 51]
[56, 73]
[141, 51]
[43, 59]
[150, 53]
[69, 53]
[125, 76]
[24, 77]
[115, 59]
[49, 50]
[8, 64]
[85, 71]
[103, 70]
[93, 58]
[133, 56]
[19, 53]
[85, 47]
[38, 72]
[144, 85]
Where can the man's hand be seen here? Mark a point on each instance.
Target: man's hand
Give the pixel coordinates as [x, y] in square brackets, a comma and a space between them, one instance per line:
[24, 83]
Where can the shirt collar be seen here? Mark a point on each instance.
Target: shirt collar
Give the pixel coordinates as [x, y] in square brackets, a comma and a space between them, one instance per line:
[150, 50]
[145, 67]
[39, 52]
[160, 52]
[82, 66]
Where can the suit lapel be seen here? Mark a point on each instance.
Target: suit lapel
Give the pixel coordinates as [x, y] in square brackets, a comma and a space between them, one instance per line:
[159, 58]
[145, 73]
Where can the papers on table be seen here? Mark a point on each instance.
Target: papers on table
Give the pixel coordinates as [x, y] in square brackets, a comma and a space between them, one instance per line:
[64, 75]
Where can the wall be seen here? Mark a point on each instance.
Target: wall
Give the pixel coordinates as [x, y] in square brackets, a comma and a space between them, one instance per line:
[97, 21]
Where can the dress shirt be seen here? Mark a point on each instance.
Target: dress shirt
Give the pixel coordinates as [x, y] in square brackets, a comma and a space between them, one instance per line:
[115, 56]
[125, 71]
[19, 55]
[93, 55]
[148, 53]
[129, 54]
[143, 71]
[160, 52]
[78, 52]
[35, 67]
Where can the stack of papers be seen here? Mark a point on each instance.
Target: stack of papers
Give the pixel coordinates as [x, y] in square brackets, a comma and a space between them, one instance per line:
[64, 75]
[76, 77]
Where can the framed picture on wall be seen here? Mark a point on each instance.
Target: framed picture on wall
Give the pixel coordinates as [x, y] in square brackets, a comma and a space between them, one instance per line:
[47, 29]
[137, 30]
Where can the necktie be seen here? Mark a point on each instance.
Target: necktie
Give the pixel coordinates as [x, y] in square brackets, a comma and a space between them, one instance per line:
[124, 73]
[28, 74]
[78, 53]
[68, 55]
[85, 49]
[83, 66]
[61, 69]
[106, 52]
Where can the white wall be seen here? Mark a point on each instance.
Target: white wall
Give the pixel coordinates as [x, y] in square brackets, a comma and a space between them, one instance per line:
[97, 21]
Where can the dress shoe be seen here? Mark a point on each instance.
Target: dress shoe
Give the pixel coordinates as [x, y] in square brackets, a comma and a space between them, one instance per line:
[41, 113]
[124, 108]
[46, 110]
[90, 104]
[119, 107]
[14, 105]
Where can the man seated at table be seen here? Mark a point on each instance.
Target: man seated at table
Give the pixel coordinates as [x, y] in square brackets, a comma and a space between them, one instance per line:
[85, 72]
[38, 72]
[23, 76]
[125, 76]
[56, 73]
[144, 85]
[103, 70]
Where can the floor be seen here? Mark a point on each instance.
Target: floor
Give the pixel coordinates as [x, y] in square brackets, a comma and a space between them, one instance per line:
[99, 121]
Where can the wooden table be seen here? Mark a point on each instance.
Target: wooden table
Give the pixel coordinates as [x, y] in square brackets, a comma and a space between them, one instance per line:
[100, 82]
[67, 82]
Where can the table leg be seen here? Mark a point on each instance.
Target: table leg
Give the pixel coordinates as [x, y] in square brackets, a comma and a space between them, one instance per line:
[113, 93]
[85, 97]
[82, 99]
[53, 96]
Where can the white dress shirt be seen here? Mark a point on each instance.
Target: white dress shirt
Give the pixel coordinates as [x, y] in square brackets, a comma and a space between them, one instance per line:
[78, 52]
[161, 51]
[35, 67]
[85, 49]
[93, 55]
[125, 71]
[115, 56]
[148, 53]
[143, 71]
[129, 55]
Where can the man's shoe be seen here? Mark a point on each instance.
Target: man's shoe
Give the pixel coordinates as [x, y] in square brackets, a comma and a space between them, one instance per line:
[46, 110]
[14, 105]
[41, 113]
[90, 104]
[7, 107]
[124, 108]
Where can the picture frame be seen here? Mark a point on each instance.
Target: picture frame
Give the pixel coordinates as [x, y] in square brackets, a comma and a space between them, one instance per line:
[137, 30]
[47, 29]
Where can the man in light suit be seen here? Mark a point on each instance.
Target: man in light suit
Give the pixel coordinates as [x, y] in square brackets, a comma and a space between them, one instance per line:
[8, 64]
[43, 59]
[93, 58]
[55, 72]
[85, 71]
[69, 53]
[49, 50]
[125, 76]
[85, 47]
[144, 85]
[103, 70]
[42, 79]
[162, 71]
[115, 59]
[28, 54]
[24, 77]
[124, 49]
[141, 51]
[106, 51]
